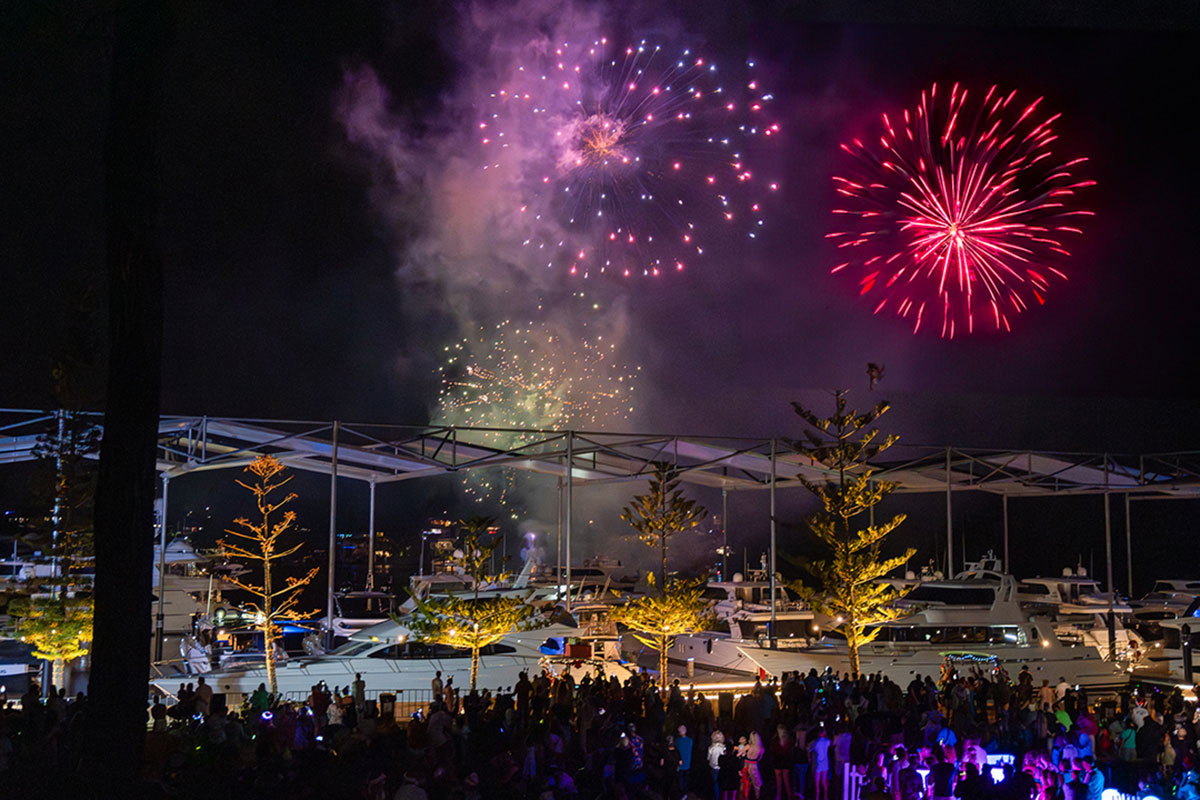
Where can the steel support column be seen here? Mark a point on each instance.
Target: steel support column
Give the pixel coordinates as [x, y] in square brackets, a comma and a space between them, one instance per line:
[774, 641]
[332, 538]
[570, 494]
[371, 538]
[160, 616]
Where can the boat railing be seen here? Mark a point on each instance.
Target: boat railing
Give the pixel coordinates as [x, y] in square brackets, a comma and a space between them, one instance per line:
[404, 703]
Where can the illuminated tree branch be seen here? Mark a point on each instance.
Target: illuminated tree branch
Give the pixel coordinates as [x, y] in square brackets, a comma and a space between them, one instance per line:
[268, 612]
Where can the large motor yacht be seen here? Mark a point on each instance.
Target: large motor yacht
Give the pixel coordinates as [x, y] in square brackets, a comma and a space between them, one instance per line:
[974, 620]
[743, 617]
[389, 660]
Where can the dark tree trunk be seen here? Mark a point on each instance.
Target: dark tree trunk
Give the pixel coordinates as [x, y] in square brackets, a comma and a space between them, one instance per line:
[124, 529]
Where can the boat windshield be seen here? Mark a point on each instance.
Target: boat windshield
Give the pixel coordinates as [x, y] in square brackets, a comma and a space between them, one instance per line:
[353, 648]
[952, 595]
[364, 607]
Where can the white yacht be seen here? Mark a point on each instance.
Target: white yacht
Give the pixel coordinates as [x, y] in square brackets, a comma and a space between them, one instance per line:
[357, 611]
[192, 593]
[1164, 656]
[389, 660]
[974, 619]
[1079, 608]
[743, 612]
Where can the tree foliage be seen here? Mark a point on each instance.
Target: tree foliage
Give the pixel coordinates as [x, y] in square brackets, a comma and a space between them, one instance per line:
[662, 512]
[468, 622]
[657, 619]
[847, 583]
[260, 541]
[56, 612]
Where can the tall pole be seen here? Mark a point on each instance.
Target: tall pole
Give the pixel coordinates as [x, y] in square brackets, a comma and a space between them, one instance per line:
[724, 532]
[773, 640]
[570, 493]
[1004, 505]
[371, 539]
[1128, 549]
[1112, 633]
[332, 537]
[56, 519]
[949, 523]
[160, 616]
[558, 549]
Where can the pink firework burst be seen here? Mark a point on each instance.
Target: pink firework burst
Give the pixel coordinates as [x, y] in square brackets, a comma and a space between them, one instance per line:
[628, 160]
[962, 210]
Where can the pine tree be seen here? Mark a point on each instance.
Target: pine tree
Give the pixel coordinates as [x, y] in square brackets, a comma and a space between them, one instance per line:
[273, 605]
[847, 583]
[657, 619]
[55, 615]
[662, 512]
[468, 622]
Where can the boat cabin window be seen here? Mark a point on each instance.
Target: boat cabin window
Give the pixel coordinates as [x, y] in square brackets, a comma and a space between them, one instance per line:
[1034, 588]
[441, 652]
[784, 629]
[952, 595]
[955, 634]
[357, 607]
[715, 593]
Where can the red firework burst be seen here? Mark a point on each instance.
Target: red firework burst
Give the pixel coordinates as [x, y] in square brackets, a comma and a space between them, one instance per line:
[963, 208]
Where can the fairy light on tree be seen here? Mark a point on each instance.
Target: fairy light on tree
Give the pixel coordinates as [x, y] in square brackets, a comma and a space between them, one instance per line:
[260, 541]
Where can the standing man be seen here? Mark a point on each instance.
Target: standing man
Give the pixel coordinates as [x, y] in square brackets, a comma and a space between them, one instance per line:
[683, 743]
[359, 690]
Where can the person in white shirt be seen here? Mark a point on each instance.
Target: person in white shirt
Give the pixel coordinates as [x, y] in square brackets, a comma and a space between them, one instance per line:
[715, 751]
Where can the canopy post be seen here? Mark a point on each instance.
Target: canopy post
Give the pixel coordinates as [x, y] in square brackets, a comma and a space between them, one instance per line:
[371, 539]
[160, 616]
[1112, 623]
[724, 532]
[333, 472]
[949, 523]
[570, 494]
[1004, 506]
[774, 641]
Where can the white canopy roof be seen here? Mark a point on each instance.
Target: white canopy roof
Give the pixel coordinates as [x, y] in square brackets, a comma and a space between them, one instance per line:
[384, 453]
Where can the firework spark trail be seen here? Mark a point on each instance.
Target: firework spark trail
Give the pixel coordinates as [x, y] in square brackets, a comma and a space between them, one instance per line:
[532, 378]
[627, 159]
[961, 207]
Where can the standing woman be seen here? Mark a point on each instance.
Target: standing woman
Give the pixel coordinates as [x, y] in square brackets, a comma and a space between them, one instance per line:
[754, 754]
[819, 751]
[781, 762]
[729, 776]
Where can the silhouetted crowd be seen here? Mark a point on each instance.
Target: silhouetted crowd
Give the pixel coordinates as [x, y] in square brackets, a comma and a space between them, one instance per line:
[973, 736]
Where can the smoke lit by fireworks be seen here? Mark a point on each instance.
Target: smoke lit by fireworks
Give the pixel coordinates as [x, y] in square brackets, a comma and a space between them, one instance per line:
[964, 208]
[531, 378]
[627, 160]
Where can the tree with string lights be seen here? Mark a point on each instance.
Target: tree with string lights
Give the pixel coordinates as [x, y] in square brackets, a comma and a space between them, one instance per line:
[259, 540]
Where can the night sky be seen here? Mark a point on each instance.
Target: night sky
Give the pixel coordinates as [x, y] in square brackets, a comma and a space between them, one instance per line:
[324, 240]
